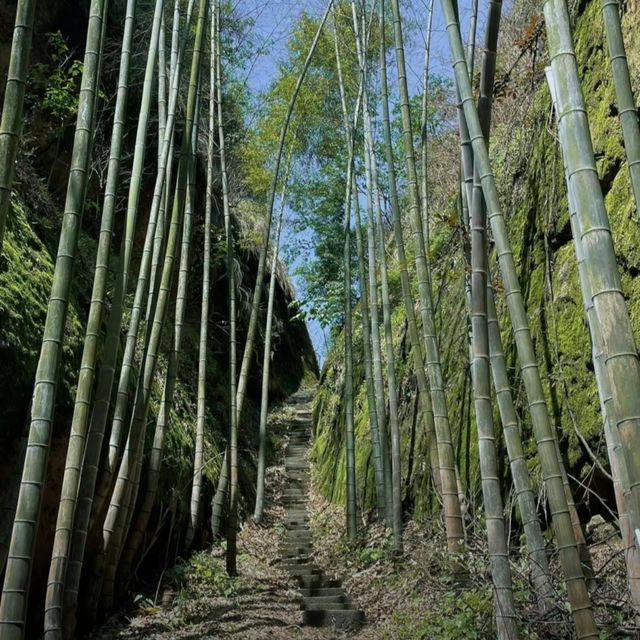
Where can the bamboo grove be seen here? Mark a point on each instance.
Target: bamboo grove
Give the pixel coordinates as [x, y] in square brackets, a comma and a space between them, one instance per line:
[384, 216]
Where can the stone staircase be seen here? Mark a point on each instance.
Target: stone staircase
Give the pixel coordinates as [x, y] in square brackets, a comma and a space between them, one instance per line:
[324, 601]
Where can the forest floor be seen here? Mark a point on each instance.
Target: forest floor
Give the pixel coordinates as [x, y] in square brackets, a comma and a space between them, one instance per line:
[411, 598]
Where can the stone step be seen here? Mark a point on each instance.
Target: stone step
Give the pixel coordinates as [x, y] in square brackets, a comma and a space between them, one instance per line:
[295, 550]
[297, 484]
[295, 535]
[319, 592]
[343, 619]
[297, 540]
[301, 570]
[321, 606]
[337, 598]
[296, 556]
[317, 582]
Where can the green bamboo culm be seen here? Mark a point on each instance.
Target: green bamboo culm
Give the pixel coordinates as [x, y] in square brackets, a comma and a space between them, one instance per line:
[372, 405]
[350, 456]
[612, 436]
[13, 608]
[446, 454]
[627, 110]
[115, 527]
[506, 622]
[82, 408]
[376, 349]
[266, 357]
[407, 294]
[11, 123]
[201, 418]
[569, 557]
[219, 499]
[601, 269]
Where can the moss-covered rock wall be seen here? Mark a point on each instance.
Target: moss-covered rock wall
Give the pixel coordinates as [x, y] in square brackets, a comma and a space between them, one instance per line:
[530, 176]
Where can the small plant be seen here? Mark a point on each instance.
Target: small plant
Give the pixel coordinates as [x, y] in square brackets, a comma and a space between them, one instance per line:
[466, 615]
[202, 575]
[59, 80]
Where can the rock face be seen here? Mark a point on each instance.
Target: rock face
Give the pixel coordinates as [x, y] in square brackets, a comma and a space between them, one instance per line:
[530, 177]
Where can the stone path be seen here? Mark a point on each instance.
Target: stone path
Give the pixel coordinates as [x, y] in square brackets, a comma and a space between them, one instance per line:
[324, 601]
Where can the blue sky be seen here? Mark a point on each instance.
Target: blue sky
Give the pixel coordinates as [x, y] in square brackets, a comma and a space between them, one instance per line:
[273, 23]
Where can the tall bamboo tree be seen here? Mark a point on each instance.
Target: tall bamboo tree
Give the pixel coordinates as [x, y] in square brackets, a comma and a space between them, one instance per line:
[206, 285]
[219, 499]
[266, 358]
[350, 459]
[446, 454]
[361, 38]
[612, 436]
[627, 110]
[394, 518]
[569, 557]
[481, 378]
[11, 122]
[114, 527]
[80, 420]
[417, 350]
[372, 405]
[13, 607]
[610, 309]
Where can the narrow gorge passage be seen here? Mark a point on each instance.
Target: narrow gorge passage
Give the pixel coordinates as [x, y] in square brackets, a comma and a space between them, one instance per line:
[282, 592]
[320, 319]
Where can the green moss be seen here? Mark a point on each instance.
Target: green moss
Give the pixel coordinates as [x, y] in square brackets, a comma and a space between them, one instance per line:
[26, 274]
